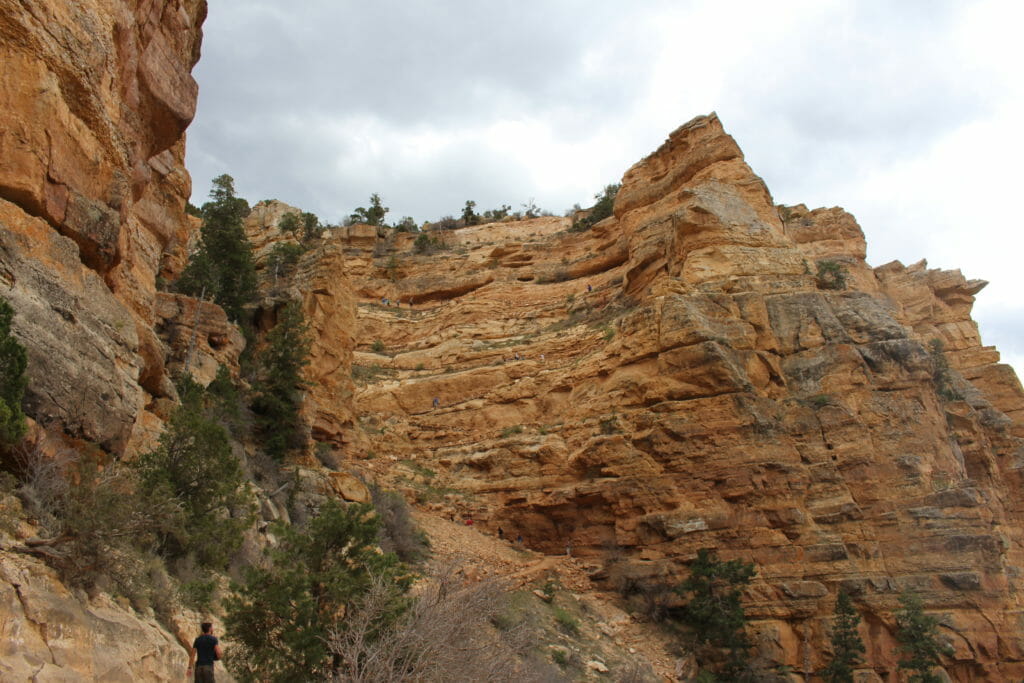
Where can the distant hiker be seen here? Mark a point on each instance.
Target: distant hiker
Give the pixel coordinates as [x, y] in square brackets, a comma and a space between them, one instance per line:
[205, 651]
[519, 539]
[437, 401]
[542, 358]
[501, 534]
[589, 288]
[383, 301]
[568, 549]
[516, 355]
[469, 521]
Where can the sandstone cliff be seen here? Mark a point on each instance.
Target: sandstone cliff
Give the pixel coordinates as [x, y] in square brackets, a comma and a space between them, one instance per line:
[702, 369]
[94, 100]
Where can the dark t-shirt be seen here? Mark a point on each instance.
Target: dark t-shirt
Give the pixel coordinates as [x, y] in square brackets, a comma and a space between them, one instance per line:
[204, 645]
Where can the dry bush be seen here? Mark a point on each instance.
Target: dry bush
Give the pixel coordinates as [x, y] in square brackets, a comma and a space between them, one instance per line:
[398, 532]
[445, 635]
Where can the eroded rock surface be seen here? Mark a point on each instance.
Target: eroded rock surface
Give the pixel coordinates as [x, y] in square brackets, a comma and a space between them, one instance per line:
[702, 369]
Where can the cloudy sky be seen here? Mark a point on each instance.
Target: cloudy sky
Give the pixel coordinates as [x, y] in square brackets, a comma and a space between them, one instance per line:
[908, 113]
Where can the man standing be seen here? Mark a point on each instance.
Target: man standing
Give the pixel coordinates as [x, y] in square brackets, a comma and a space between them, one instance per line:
[205, 651]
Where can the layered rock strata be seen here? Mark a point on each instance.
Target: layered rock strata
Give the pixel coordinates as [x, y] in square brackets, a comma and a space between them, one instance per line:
[703, 369]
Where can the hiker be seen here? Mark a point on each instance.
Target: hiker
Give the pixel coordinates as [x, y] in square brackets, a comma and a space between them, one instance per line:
[519, 539]
[205, 651]
[516, 355]
[469, 521]
[437, 401]
[501, 534]
[542, 358]
[568, 549]
[589, 288]
[383, 301]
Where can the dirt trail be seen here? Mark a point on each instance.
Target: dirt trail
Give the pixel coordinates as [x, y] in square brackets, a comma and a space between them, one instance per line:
[482, 556]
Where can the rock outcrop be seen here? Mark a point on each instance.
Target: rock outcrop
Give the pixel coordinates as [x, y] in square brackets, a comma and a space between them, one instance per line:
[94, 101]
[702, 369]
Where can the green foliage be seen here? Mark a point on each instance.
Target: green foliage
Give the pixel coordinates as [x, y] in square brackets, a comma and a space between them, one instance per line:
[222, 268]
[377, 346]
[13, 380]
[284, 257]
[281, 617]
[714, 610]
[470, 217]
[407, 224]
[289, 222]
[194, 468]
[601, 210]
[398, 532]
[847, 646]
[510, 431]
[566, 621]
[278, 385]
[311, 226]
[497, 214]
[920, 644]
[831, 275]
[373, 215]
[427, 244]
[193, 210]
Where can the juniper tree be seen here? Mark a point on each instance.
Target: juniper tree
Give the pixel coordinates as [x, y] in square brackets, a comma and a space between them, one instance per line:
[13, 380]
[281, 616]
[847, 646]
[373, 215]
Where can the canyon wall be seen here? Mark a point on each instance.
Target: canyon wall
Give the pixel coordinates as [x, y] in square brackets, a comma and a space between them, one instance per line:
[95, 96]
[705, 369]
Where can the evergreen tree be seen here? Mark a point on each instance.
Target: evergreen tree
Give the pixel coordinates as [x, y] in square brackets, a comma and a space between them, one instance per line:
[194, 467]
[13, 381]
[847, 647]
[920, 644]
[278, 384]
[283, 614]
[223, 266]
[469, 216]
[373, 215]
[714, 610]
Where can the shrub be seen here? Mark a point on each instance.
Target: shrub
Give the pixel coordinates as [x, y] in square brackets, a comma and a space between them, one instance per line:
[942, 376]
[469, 217]
[289, 222]
[284, 257]
[377, 346]
[13, 362]
[601, 210]
[194, 469]
[831, 275]
[566, 621]
[398, 533]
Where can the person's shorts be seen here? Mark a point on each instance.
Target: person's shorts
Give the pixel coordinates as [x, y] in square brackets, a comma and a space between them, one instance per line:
[204, 673]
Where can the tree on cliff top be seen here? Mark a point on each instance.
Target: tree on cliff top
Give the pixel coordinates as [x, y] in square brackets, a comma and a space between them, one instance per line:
[373, 215]
[847, 646]
[223, 266]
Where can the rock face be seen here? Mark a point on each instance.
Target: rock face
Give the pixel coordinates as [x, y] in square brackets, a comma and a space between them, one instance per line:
[703, 369]
[95, 96]
[94, 100]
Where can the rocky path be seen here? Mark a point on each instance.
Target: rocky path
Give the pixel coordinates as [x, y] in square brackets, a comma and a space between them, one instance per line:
[484, 556]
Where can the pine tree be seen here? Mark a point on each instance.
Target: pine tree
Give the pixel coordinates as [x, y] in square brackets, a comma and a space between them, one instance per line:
[223, 265]
[715, 611]
[920, 644]
[373, 215]
[847, 646]
[13, 380]
[279, 384]
[280, 619]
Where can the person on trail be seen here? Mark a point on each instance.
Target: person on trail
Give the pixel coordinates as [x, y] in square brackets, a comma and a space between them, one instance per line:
[205, 651]
[589, 288]
[542, 358]
[437, 401]
[519, 539]
[469, 521]
[568, 549]
[501, 534]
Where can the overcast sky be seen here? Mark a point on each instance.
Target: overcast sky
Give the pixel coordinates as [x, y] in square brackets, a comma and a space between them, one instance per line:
[906, 113]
